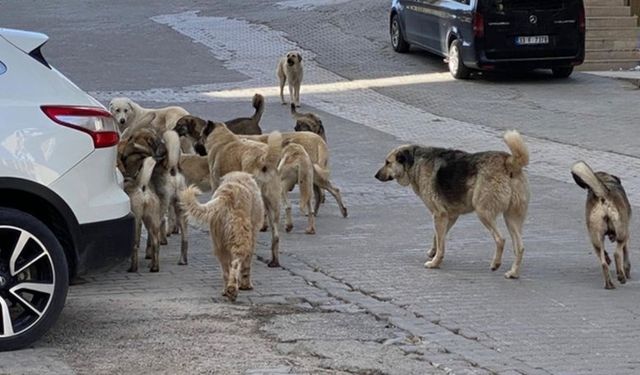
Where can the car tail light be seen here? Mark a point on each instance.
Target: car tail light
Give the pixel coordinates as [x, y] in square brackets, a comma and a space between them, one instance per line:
[581, 21]
[478, 25]
[96, 122]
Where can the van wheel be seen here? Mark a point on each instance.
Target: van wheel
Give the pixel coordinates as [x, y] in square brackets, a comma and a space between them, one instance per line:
[397, 40]
[34, 278]
[456, 66]
[562, 72]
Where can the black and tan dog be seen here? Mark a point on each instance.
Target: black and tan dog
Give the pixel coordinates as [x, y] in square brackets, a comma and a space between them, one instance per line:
[191, 127]
[308, 122]
[608, 214]
[453, 183]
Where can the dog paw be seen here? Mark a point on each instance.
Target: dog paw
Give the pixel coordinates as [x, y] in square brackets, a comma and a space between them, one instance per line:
[273, 264]
[246, 287]
[154, 269]
[182, 262]
[622, 278]
[231, 293]
[344, 212]
[432, 264]
[133, 269]
[163, 241]
[609, 285]
[288, 228]
[627, 271]
[264, 228]
[495, 266]
[511, 274]
[310, 231]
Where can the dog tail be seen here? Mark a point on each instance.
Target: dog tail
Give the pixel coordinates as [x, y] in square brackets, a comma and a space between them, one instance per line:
[145, 173]
[172, 142]
[258, 104]
[274, 143]
[585, 178]
[200, 212]
[519, 153]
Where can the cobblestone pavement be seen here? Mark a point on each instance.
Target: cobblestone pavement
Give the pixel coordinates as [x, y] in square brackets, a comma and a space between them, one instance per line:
[355, 298]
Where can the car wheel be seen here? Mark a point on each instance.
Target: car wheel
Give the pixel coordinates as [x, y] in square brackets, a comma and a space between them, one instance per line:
[397, 40]
[456, 66]
[33, 279]
[562, 72]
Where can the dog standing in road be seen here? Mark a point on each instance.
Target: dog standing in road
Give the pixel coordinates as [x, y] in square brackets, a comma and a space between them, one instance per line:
[295, 167]
[290, 71]
[608, 214]
[234, 215]
[452, 183]
[308, 122]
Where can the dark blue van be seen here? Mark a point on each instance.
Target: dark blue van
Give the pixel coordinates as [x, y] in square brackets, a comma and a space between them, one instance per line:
[493, 34]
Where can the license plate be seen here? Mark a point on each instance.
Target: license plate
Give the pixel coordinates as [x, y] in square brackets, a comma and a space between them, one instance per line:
[537, 39]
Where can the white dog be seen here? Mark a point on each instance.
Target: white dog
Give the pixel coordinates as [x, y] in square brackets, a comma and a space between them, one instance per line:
[290, 70]
[130, 116]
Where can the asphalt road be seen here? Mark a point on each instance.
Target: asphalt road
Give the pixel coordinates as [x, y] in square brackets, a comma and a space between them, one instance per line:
[355, 298]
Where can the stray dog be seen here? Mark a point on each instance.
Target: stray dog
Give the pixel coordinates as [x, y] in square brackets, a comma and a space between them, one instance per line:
[165, 181]
[130, 116]
[295, 167]
[234, 215]
[195, 169]
[192, 126]
[308, 122]
[290, 70]
[452, 183]
[318, 151]
[227, 152]
[145, 206]
[608, 214]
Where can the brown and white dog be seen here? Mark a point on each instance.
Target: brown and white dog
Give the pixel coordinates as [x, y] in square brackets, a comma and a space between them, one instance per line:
[290, 71]
[453, 183]
[234, 215]
[608, 214]
[308, 122]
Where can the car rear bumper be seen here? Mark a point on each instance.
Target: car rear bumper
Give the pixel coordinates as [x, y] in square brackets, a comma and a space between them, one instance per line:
[478, 60]
[105, 243]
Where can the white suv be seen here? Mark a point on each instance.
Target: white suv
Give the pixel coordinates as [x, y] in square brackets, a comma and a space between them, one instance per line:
[62, 209]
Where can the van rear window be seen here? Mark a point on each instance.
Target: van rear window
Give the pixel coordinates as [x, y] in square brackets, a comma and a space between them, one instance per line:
[509, 5]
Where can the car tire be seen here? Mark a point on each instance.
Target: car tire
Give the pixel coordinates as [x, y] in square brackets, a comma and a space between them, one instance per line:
[562, 72]
[398, 42]
[456, 66]
[34, 278]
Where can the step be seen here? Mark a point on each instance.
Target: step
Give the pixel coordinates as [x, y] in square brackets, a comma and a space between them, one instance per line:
[624, 64]
[612, 22]
[609, 11]
[611, 44]
[603, 3]
[605, 54]
[621, 33]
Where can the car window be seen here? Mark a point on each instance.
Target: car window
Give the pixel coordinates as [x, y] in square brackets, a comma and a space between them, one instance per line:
[3, 68]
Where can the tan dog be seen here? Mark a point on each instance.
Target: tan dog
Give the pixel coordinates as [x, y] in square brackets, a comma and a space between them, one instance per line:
[308, 122]
[295, 167]
[290, 71]
[228, 152]
[130, 116]
[165, 179]
[234, 215]
[195, 169]
[453, 183]
[146, 208]
[318, 151]
[608, 214]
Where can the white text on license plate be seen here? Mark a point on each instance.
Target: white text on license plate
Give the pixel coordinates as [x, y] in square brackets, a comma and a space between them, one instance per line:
[537, 39]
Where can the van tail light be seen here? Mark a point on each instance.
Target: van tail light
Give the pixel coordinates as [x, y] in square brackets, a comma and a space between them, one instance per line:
[581, 21]
[95, 121]
[478, 25]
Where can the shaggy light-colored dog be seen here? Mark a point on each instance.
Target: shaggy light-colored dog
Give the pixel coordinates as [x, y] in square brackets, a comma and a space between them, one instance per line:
[290, 71]
[295, 167]
[227, 152]
[453, 183]
[234, 216]
[608, 214]
[130, 116]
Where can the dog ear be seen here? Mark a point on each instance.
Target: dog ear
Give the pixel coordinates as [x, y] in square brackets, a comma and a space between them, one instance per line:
[321, 130]
[616, 178]
[405, 157]
[579, 181]
[208, 128]
[299, 56]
